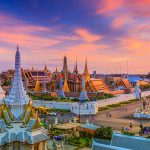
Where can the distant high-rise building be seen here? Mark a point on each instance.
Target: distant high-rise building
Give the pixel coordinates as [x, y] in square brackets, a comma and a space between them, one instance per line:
[94, 74]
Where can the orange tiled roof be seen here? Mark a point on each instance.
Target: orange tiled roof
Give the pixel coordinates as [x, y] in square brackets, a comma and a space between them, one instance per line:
[97, 85]
[127, 83]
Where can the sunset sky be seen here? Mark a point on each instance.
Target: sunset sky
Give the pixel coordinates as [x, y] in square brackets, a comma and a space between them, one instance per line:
[107, 32]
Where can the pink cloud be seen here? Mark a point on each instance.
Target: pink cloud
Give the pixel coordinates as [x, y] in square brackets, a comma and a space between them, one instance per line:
[133, 7]
[25, 39]
[106, 6]
[119, 21]
[139, 7]
[86, 35]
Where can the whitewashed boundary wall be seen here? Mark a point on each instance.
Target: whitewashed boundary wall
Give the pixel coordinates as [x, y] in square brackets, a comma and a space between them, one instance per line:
[88, 107]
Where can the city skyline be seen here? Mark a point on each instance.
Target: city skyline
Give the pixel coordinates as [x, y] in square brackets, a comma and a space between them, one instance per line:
[107, 33]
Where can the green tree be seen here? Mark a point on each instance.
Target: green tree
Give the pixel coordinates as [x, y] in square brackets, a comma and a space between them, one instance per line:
[104, 133]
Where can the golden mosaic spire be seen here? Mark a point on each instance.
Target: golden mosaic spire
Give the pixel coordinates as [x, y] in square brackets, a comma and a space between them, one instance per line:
[65, 85]
[36, 124]
[27, 108]
[86, 72]
[5, 108]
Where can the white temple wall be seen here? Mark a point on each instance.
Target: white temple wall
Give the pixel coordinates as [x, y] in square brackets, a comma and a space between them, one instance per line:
[88, 107]
[53, 105]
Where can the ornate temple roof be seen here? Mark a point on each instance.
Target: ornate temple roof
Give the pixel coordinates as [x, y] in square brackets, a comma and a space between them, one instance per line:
[17, 133]
[28, 129]
[96, 85]
[119, 81]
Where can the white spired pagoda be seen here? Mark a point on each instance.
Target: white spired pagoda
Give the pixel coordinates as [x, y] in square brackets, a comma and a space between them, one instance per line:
[20, 127]
[17, 97]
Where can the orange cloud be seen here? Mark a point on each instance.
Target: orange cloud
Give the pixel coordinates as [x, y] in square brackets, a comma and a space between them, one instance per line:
[87, 49]
[135, 46]
[86, 35]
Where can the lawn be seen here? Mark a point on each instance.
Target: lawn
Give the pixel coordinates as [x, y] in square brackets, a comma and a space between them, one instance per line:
[60, 111]
[103, 96]
[116, 105]
[80, 142]
[57, 132]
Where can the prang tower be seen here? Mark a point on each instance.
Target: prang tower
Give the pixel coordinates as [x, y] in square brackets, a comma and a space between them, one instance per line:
[17, 96]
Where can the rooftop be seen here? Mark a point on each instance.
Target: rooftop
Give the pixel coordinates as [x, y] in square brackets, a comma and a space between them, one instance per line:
[67, 126]
[18, 133]
[90, 126]
[123, 142]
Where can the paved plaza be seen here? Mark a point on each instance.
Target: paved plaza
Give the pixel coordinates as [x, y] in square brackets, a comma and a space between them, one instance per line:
[118, 117]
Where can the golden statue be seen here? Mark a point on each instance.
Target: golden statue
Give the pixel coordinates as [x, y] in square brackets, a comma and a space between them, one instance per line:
[37, 87]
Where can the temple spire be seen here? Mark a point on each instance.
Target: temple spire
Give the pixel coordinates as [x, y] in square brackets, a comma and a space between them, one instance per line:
[17, 47]
[65, 85]
[60, 91]
[32, 68]
[17, 95]
[83, 95]
[86, 66]
[56, 69]
[86, 72]
[45, 68]
[65, 67]
[76, 67]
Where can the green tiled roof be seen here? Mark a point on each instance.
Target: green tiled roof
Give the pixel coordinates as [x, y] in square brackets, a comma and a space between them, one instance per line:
[89, 126]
